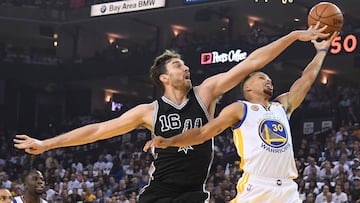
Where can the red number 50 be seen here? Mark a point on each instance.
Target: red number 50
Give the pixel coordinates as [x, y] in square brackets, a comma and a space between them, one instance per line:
[349, 44]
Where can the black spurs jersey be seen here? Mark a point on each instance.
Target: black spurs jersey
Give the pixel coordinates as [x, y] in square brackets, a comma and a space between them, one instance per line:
[184, 166]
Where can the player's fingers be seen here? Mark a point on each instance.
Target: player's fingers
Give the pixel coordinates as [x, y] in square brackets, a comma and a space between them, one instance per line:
[18, 141]
[21, 145]
[24, 137]
[31, 151]
[322, 28]
[316, 26]
[323, 35]
[335, 34]
[147, 146]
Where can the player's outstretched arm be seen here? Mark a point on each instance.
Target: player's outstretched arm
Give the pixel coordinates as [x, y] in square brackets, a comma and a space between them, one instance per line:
[292, 99]
[223, 82]
[228, 117]
[90, 133]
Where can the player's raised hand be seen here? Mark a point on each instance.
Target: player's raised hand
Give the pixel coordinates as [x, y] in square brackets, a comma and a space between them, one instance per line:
[157, 142]
[324, 44]
[30, 145]
[312, 33]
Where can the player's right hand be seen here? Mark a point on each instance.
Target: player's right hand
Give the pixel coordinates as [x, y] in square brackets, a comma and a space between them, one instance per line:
[157, 142]
[313, 33]
[30, 145]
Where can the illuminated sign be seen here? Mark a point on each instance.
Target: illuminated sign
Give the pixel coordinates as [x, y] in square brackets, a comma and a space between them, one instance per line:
[215, 57]
[347, 43]
[125, 6]
[194, 1]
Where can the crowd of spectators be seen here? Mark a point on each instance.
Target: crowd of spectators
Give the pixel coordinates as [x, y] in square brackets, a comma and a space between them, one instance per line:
[28, 55]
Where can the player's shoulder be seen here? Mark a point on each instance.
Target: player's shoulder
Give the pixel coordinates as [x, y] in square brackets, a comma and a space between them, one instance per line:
[147, 106]
[18, 199]
[276, 103]
[236, 106]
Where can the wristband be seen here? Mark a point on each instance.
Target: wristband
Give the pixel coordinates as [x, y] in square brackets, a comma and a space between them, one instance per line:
[323, 49]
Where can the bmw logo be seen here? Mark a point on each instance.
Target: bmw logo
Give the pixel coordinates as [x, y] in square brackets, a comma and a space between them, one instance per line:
[103, 9]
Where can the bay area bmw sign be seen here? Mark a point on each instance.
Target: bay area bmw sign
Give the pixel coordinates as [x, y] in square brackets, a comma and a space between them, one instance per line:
[125, 6]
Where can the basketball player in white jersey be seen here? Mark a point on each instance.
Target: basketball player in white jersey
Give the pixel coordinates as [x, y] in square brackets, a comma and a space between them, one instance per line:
[261, 134]
[34, 186]
[177, 174]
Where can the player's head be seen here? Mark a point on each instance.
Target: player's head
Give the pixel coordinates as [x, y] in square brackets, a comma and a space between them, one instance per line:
[5, 196]
[34, 183]
[159, 66]
[257, 83]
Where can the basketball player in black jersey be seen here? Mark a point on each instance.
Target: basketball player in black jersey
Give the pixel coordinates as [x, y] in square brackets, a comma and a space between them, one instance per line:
[177, 174]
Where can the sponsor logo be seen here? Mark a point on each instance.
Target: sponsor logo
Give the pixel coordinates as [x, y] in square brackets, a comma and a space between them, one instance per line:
[216, 57]
[103, 9]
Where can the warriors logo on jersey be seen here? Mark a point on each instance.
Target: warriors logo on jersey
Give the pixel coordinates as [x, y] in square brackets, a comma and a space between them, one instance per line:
[254, 108]
[273, 134]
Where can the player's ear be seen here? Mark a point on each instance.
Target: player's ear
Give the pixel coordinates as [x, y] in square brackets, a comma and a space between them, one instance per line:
[246, 87]
[163, 78]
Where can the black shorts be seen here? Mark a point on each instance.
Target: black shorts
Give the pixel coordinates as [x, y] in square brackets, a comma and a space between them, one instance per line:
[164, 193]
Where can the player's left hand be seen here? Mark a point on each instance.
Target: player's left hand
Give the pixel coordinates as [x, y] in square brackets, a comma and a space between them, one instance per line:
[326, 43]
[30, 145]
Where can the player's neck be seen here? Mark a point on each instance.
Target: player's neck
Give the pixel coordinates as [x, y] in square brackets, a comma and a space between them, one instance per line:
[259, 100]
[176, 96]
[29, 198]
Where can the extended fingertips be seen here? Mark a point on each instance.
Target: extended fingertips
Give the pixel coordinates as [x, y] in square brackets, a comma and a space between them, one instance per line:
[317, 25]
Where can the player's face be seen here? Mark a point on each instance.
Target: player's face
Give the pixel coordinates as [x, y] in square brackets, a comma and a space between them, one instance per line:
[261, 82]
[35, 183]
[178, 75]
[5, 196]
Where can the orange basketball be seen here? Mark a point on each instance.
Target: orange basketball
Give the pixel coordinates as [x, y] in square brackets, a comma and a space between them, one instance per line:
[328, 14]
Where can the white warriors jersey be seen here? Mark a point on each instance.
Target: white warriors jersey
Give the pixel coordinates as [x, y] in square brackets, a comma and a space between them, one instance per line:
[263, 141]
[20, 199]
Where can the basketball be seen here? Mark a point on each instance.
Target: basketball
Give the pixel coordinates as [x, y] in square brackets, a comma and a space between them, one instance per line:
[328, 14]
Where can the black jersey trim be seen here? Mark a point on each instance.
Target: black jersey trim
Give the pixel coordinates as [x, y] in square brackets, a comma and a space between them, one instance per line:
[198, 99]
[176, 106]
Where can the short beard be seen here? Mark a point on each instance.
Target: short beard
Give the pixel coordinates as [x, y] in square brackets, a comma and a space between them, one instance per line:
[268, 92]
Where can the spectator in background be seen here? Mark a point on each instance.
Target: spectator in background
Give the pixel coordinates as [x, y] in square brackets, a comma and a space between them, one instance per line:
[73, 182]
[341, 135]
[5, 182]
[309, 198]
[99, 196]
[74, 196]
[89, 196]
[355, 192]
[100, 163]
[5, 196]
[34, 187]
[326, 171]
[311, 170]
[329, 198]
[321, 197]
[339, 196]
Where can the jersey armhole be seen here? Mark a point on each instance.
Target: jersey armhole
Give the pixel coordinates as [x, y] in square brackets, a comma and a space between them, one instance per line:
[244, 117]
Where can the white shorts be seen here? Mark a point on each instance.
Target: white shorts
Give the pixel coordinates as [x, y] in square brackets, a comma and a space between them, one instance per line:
[255, 189]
